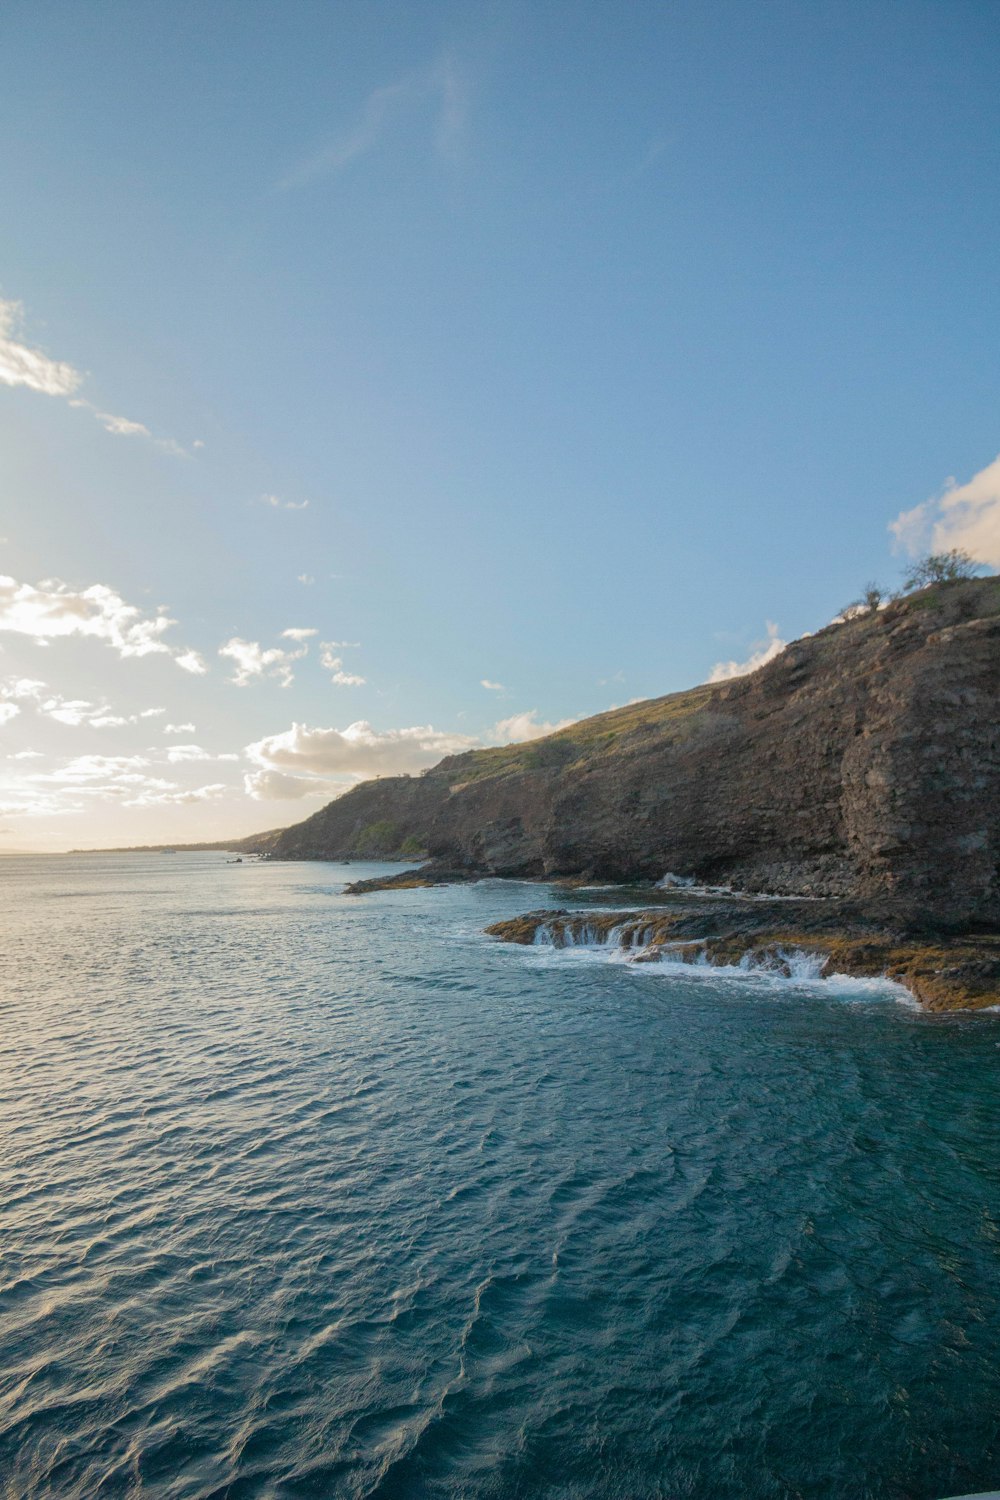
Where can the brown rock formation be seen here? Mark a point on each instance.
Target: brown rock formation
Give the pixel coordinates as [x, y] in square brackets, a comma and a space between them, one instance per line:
[952, 973]
[864, 762]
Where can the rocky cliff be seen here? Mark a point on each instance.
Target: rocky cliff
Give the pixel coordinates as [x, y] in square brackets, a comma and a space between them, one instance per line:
[864, 761]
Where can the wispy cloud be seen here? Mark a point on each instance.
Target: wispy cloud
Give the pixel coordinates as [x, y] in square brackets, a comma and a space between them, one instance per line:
[434, 99]
[966, 516]
[85, 779]
[71, 711]
[493, 687]
[54, 610]
[32, 368]
[761, 653]
[306, 578]
[179, 729]
[298, 633]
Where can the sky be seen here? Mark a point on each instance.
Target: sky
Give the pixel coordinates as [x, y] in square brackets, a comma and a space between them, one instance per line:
[382, 380]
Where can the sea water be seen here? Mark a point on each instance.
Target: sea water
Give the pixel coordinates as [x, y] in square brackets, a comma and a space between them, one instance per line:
[305, 1194]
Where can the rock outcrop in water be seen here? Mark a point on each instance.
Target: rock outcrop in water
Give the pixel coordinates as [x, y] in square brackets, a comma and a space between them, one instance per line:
[862, 763]
[811, 939]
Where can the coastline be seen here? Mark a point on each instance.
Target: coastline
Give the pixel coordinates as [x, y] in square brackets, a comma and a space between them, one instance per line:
[943, 970]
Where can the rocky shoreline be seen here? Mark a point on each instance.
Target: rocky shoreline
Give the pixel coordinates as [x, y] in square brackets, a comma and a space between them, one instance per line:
[850, 789]
[943, 973]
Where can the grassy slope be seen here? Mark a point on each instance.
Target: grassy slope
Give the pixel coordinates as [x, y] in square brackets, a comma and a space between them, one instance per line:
[577, 742]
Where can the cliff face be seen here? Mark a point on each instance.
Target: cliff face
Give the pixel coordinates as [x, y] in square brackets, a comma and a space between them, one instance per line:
[864, 761]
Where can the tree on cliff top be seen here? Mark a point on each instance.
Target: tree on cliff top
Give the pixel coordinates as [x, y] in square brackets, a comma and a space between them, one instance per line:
[872, 598]
[939, 567]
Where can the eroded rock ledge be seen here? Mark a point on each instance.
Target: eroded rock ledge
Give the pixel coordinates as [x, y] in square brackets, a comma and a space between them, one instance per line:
[943, 973]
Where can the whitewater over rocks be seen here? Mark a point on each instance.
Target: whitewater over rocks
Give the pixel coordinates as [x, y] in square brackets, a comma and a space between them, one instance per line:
[795, 939]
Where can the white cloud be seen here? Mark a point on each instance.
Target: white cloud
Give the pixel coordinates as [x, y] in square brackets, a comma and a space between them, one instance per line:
[358, 751]
[524, 726]
[121, 426]
[23, 687]
[335, 666]
[276, 503]
[27, 755]
[72, 711]
[88, 779]
[8, 711]
[296, 633]
[276, 786]
[494, 687]
[306, 578]
[178, 753]
[53, 610]
[125, 427]
[179, 729]
[21, 365]
[77, 711]
[192, 661]
[342, 678]
[84, 768]
[197, 794]
[966, 516]
[251, 660]
[762, 652]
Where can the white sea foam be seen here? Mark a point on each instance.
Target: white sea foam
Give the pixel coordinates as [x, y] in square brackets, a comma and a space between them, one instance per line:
[796, 968]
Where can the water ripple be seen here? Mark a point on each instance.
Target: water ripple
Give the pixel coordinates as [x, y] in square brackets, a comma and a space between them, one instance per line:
[310, 1196]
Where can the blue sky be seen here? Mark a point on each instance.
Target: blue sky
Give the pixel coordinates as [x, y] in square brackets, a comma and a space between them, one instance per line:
[576, 349]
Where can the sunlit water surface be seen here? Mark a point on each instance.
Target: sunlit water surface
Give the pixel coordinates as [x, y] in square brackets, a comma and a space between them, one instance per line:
[311, 1195]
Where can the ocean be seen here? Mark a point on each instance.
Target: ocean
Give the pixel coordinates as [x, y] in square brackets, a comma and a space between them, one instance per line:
[310, 1195]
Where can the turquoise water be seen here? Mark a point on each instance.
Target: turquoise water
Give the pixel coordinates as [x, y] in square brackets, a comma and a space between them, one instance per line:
[307, 1195]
